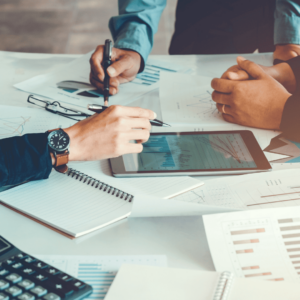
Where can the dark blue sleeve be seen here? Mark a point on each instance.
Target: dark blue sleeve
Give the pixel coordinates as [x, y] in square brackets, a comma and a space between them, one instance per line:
[24, 158]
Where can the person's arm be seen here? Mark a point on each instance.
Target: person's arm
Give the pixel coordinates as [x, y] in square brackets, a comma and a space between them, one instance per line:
[24, 158]
[100, 136]
[132, 31]
[286, 30]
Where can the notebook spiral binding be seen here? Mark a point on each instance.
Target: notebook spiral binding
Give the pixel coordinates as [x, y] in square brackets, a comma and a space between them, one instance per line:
[224, 285]
[97, 184]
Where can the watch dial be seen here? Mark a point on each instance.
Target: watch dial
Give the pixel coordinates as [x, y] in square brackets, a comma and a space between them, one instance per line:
[59, 140]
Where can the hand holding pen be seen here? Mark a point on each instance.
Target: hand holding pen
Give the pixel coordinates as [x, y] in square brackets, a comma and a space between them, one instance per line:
[99, 109]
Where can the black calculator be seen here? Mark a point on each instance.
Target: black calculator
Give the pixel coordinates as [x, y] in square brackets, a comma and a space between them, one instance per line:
[24, 277]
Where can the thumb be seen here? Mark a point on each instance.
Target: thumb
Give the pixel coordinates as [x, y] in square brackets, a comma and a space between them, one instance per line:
[254, 70]
[119, 67]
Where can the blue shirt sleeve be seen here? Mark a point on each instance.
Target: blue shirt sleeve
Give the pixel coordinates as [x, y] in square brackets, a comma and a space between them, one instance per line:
[136, 25]
[287, 22]
[24, 158]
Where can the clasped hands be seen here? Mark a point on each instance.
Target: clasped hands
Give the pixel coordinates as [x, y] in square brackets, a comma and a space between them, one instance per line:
[252, 95]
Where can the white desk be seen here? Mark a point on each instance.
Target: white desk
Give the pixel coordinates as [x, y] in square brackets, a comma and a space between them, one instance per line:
[181, 239]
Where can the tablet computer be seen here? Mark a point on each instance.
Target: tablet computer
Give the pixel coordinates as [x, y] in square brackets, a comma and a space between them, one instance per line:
[194, 153]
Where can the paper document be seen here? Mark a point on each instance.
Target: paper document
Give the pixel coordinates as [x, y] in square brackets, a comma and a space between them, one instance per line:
[17, 121]
[99, 271]
[254, 191]
[216, 65]
[71, 83]
[260, 244]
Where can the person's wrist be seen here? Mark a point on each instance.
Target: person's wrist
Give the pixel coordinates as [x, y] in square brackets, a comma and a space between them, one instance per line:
[285, 76]
[280, 109]
[74, 143]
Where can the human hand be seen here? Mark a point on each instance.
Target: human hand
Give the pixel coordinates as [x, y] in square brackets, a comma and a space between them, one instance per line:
[125, 65]
[281, 72]
[256, 103]
[109, 134]
[286, 51]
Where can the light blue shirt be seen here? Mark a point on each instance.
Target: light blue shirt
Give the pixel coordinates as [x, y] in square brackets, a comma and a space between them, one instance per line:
[138, 20]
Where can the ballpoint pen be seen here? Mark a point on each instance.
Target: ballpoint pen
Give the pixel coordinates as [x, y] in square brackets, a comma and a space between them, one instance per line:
[100, 108]
[106, 64]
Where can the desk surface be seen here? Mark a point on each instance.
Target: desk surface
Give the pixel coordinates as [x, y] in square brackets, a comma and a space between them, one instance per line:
[182, 239]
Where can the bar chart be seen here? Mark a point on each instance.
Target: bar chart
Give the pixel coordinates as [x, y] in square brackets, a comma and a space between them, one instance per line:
[99, 271]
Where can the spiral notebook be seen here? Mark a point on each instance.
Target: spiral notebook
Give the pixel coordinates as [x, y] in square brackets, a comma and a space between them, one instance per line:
[154, 283]
[75, 203]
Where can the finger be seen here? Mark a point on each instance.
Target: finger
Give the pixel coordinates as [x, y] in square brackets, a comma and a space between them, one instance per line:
[135, 112]
[139, 135]
[254, 70]
[113, 82]
[95, 62]
[227, 110]
[222, 85]
[221, 98]
[121, 65]
[100, 86]
[139, 123]
[228, 118]
[238, 75]
[133, 148]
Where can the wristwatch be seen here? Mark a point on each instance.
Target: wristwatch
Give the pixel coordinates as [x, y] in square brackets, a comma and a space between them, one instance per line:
[59, 144]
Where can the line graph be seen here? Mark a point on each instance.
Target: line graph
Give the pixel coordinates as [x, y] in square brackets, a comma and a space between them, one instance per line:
[13, 126]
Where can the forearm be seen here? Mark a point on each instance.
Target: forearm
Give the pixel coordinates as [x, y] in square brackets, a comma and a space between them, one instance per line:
[24, 159]
[287, 22]
[136, 25]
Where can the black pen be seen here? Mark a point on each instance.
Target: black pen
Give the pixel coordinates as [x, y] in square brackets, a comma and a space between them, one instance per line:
[106, 64]
[101, 108]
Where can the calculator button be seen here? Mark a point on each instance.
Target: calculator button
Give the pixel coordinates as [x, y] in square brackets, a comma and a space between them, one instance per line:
[30, 259]
[40, 265]
[3, 272]
[60, 289]
[17, 265]
[26, 284]
[9, 261]
[51, 296]
[3, 285]
[21, 256]
[26, 296]
[78, 285]
[39, 291]
[41, 277]
[65, 277]
[52, 271]
[3, 297]
[14, 291]
[14, 278]
[28, 271]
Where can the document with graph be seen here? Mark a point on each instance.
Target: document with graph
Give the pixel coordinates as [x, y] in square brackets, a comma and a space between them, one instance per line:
[99, 271]
[260, 244]
[255, 191]
[16, 121]
[71, 83]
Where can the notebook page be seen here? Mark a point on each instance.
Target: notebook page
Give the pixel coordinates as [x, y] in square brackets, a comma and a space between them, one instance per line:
[162, 187]
[153, 283]
[263, 290]
[67, 204]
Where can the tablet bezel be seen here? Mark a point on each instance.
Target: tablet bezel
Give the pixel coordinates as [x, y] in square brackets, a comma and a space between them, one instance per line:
[118, 167]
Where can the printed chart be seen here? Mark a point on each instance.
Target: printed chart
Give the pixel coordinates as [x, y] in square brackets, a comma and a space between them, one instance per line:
[14, 126]
[99, 271]
[260, 245]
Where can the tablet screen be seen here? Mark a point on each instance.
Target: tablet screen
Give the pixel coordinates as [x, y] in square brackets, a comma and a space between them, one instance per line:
[191, 152]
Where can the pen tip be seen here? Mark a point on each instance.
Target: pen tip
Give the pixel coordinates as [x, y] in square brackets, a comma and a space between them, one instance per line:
[106, 103]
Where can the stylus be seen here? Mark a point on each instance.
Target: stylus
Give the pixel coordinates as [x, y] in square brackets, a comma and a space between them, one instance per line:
[106, 64]
[101, 108]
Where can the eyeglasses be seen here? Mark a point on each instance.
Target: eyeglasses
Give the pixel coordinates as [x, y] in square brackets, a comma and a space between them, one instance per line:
[56, 108]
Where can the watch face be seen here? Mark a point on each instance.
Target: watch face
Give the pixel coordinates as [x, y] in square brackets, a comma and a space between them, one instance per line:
[58, 140]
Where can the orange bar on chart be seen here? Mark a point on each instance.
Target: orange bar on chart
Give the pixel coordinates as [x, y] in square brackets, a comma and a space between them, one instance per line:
[248, 231]
[250, 268]
[244, 251]
[246, 242]
[259, 274]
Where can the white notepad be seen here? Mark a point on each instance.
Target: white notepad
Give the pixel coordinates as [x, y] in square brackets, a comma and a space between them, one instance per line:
[76, 204]
[154, 283]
